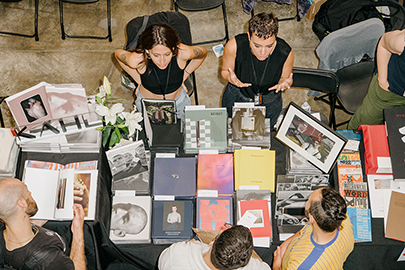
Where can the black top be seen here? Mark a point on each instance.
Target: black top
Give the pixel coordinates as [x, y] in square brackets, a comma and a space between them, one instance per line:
[56, 260]
[245, 73]
[160, 85]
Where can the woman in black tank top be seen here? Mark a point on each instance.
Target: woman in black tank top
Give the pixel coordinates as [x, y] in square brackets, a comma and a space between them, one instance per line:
[159, 63]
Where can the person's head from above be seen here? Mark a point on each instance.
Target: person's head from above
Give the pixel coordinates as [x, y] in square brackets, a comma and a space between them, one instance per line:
[15, 198]
[232, 249]
[159, 43]
[174, 209]
[327, 208]
[128, 218]
[263, 30]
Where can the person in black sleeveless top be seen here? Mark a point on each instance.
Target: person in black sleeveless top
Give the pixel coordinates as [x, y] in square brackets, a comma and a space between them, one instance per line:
[19, 237]
[258, 67]
[387, 87]
[159, 65]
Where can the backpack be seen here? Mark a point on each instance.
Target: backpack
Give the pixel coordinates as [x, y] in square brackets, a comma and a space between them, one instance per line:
[336, 14]
[31, 262]
[136, 26]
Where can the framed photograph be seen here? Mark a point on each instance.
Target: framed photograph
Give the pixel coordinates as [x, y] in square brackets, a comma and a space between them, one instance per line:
[311, 138]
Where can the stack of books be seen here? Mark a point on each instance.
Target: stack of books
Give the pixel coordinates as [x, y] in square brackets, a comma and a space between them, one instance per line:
[9, 154]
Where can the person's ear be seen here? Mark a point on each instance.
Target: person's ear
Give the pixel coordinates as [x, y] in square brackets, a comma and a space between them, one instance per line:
[22, 203]
[119, 233]
[311, 218]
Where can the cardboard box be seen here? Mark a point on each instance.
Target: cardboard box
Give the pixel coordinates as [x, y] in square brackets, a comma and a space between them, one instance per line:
[314, 8]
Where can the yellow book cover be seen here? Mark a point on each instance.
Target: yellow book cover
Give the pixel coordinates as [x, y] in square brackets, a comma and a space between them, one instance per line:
[236, 173]
[256, 169]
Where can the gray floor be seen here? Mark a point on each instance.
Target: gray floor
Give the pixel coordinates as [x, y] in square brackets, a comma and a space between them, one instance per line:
[26, 62]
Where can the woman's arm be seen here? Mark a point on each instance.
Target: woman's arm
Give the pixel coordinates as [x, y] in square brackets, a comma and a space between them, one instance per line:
[286, 80]
[196, 54]
[390, 43]
[129, 61]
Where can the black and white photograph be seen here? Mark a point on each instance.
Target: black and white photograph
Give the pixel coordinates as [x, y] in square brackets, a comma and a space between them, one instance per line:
[129, 166]
[130, 219]
[310, 138]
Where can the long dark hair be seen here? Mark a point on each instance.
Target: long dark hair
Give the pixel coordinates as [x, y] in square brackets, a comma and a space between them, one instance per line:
[158, 34]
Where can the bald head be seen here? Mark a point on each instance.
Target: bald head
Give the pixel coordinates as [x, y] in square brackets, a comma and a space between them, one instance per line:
[11, 190]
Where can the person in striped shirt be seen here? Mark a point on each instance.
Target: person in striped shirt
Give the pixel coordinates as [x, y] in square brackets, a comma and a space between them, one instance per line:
[327, 239]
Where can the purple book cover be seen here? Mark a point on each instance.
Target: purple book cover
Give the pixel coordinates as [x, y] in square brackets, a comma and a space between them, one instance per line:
[215, 172]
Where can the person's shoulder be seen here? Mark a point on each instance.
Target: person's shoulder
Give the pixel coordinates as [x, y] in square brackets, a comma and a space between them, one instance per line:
[256, 264]
[58, 260]
[283, 44]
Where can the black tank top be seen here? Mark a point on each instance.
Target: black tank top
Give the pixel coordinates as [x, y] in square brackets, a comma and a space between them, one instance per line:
[396, 71]
[157, 85]
[245, 58]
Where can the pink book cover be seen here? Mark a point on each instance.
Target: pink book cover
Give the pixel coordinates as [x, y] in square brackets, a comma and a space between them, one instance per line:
[259, 208]
[215, 172]
[30, 107]
[213, 213]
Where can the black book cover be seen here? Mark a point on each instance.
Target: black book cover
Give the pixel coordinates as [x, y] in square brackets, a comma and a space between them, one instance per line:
[395, 126]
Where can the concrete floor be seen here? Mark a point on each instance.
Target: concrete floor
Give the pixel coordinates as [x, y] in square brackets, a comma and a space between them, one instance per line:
[26, 62]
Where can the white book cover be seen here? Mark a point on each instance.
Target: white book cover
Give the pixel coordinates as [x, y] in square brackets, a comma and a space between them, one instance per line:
[57, 187]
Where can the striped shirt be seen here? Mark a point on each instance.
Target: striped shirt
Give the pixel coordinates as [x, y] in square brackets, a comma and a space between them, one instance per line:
[304, 253]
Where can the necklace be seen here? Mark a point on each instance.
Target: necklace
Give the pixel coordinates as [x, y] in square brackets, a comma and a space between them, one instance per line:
[259, 84]
[25, 241]
[167, 80]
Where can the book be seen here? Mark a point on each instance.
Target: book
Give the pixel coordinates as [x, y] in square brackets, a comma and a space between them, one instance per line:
[9, 153]
[56, 187]
[129, 165]
[259, 208]
[361, 220]
[215, 174]
[175, 177]
[131, 219]
[45, 101]
[396, 217]
[159, 112]
[172, 221]
[255, 169]
[395, 127]
[349, 170]
[213, 212]
[248, 126]
[297, 164]
[205, 128]
[376, 152]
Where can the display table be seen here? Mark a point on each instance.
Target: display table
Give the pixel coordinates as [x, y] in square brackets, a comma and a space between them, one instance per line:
[101, 253]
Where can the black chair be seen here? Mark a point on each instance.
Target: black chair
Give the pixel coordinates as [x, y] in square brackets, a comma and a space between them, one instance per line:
[200, 5]
[35, 35]
[64, 34]
[176, 20]
[296, 16]
[320, 80]
[1, 114]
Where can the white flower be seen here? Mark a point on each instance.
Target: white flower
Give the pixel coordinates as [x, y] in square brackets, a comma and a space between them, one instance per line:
[132, 120]
[106, 86]
[110, 114]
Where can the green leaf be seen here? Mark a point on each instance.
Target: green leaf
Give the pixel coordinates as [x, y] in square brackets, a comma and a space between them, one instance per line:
[100, 128]
[99, 100]
[120, 120]
[106, 135]
[122, 126]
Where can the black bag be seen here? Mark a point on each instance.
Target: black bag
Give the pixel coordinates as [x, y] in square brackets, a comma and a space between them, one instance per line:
[336, 14]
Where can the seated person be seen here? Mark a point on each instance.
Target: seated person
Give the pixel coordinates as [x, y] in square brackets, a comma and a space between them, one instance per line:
[232, 249]
[387, 87]
[258, 67]
[325, 242]
[159, 65]
[19, 238]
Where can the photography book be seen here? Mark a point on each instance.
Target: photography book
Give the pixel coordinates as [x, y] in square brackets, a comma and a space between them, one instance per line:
[205, 128]
[215, 174]
[8, 153]
[255, 169]
[45, 101]
[175, 177]
[131, 219]
[56, 187]
[297, 164]
[159, 112]
[395, 126]
[172, 221]
[129, 165]
[248, 126]
[214, 212]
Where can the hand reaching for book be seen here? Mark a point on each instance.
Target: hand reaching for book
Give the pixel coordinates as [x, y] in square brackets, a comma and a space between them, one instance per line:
[81, 194]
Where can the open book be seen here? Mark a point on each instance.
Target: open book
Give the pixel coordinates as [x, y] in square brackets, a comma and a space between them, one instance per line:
[57, 187]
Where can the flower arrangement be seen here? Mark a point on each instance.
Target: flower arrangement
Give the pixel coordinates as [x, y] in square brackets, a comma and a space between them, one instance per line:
[117, 123]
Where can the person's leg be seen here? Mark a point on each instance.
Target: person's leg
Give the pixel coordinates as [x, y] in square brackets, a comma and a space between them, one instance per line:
[182, 101]
[371, 110]
[138, 99]
[274, 103]
[231, 95]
